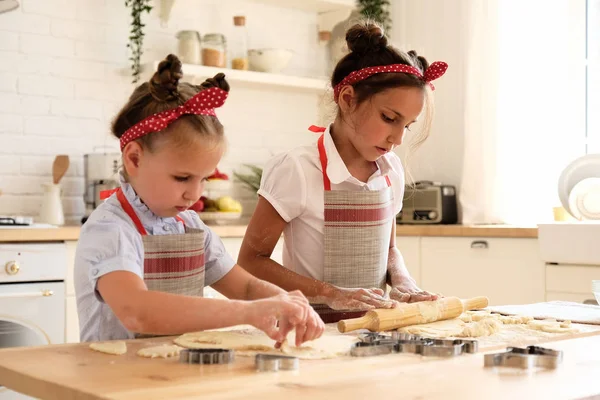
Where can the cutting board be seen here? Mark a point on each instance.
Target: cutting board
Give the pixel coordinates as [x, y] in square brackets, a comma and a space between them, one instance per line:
[72, 371]
[559, 310]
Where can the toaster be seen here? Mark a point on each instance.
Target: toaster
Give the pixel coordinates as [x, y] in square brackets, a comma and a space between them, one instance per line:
[429, 203]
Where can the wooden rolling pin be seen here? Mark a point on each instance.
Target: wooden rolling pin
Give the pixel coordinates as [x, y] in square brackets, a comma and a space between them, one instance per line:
[407, 314]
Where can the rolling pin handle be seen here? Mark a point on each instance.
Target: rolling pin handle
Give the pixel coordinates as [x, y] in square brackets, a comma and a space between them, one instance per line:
[475, 303]
[349, 325]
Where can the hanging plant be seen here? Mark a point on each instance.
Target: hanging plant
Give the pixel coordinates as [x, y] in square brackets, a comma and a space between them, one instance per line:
[136, 36]
[378, 11]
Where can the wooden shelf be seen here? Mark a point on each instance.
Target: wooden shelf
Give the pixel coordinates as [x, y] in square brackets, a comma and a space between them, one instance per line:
[319, 6]
[255, 78]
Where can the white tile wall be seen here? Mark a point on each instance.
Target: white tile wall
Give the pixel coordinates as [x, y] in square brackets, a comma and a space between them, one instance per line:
[64, 74]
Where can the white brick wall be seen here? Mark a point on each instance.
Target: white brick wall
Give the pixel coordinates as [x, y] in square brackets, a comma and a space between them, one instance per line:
[64, 73]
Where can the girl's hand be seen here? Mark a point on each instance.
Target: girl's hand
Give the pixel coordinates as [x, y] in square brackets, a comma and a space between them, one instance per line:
[358, 299]
[409, 292]
[279, 315]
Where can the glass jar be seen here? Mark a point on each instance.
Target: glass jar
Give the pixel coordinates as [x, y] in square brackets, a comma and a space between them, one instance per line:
[189, 47]
[214, 49]
[239, 44]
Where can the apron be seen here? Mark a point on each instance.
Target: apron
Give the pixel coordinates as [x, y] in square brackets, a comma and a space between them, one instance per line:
[172, 263]
[358, 226]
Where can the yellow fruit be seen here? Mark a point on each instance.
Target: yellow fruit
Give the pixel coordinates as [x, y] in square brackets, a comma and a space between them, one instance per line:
[227, 204]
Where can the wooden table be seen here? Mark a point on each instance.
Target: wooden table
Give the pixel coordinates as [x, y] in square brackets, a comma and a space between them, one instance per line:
[73, 371]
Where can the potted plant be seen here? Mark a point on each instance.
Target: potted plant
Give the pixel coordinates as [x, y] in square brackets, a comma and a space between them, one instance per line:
[378, 11]
[136, 36]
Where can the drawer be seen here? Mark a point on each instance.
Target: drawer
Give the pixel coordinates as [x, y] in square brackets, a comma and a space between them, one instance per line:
[506, 270]
[574, 297]
[33, 262]
[571, 278]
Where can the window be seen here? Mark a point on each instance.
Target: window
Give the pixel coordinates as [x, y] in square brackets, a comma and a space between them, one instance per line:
[593, 76]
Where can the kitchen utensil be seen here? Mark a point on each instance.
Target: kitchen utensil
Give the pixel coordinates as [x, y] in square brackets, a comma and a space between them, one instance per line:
[584, 199]
[274, 362]
[59, 168]
[414, 345]
[528, 357]
[51, 211]
[206, 356]
[587, 166]
[412, 314]
[269, 60]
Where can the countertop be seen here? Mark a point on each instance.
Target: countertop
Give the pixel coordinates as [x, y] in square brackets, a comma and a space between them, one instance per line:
[67, 233]
[73, 371]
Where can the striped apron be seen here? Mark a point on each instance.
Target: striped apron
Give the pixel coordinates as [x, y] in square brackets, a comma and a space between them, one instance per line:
[172, 263]
[358, 226]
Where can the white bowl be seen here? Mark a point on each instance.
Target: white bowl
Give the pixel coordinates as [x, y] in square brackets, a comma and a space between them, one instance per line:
[219, 217]
[269, 60]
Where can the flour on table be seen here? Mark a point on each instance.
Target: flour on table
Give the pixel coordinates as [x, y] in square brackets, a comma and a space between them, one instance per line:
[251, 342]
[116, 348]
[162, 351]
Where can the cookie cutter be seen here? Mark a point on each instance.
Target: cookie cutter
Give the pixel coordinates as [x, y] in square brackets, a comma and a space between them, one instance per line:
[526, 358]
[206, 356]
[274, 362]
[375, 344]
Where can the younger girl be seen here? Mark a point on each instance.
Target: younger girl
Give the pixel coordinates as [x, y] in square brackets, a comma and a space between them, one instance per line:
[336, 200]
[142, 260]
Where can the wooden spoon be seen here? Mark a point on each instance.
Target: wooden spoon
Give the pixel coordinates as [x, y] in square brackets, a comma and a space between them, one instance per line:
[59, 168]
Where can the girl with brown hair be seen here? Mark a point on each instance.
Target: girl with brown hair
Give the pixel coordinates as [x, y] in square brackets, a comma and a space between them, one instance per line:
[143, 258]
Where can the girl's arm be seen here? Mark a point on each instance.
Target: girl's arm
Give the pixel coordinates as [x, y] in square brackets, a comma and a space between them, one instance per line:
[404, 287]
[151, 312]
[262, 234]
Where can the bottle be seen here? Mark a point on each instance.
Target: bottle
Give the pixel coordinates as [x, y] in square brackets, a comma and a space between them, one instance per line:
[214, 48]
[239, 44]
[188, 47]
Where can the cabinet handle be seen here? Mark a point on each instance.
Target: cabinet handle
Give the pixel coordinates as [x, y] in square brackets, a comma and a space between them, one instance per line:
[479, 244]
[41, 293]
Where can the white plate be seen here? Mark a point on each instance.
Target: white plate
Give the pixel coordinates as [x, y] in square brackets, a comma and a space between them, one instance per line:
[584, 199]
[584, 167]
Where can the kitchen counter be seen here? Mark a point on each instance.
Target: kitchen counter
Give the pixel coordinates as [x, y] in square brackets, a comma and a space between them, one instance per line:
[74, 371]
[67, 233]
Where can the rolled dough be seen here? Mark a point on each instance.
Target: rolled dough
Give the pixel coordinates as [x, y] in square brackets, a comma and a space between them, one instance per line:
[117, 347]
[251, 342]
[552, 326]
[163, 351]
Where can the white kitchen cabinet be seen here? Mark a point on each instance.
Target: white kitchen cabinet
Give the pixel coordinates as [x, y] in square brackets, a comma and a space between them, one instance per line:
[410, 247]
[507, 271]
[571, 282]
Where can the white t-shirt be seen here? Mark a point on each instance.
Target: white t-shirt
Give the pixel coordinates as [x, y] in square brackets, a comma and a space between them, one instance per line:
[293, 183]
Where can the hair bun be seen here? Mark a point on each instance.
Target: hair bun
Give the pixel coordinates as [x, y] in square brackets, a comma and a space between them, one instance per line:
[217, 81]
[163, 85]
[419, 61]
[365, 38]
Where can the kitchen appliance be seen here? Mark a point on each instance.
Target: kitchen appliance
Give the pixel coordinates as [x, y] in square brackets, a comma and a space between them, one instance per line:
[101, 172]
[429, 203]
[32, 297]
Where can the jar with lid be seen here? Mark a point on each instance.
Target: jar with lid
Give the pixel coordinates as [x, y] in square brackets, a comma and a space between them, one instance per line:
[239, 44]
[214, 49]
[189, 47]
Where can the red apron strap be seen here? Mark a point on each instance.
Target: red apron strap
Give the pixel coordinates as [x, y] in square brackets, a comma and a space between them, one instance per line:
[105, 194]
[387, 179]
[316, 129]
[323, 158]
[129, 210]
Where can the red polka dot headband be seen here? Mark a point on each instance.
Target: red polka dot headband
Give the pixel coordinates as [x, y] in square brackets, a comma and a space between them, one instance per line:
[434, 71]
[203, 103]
